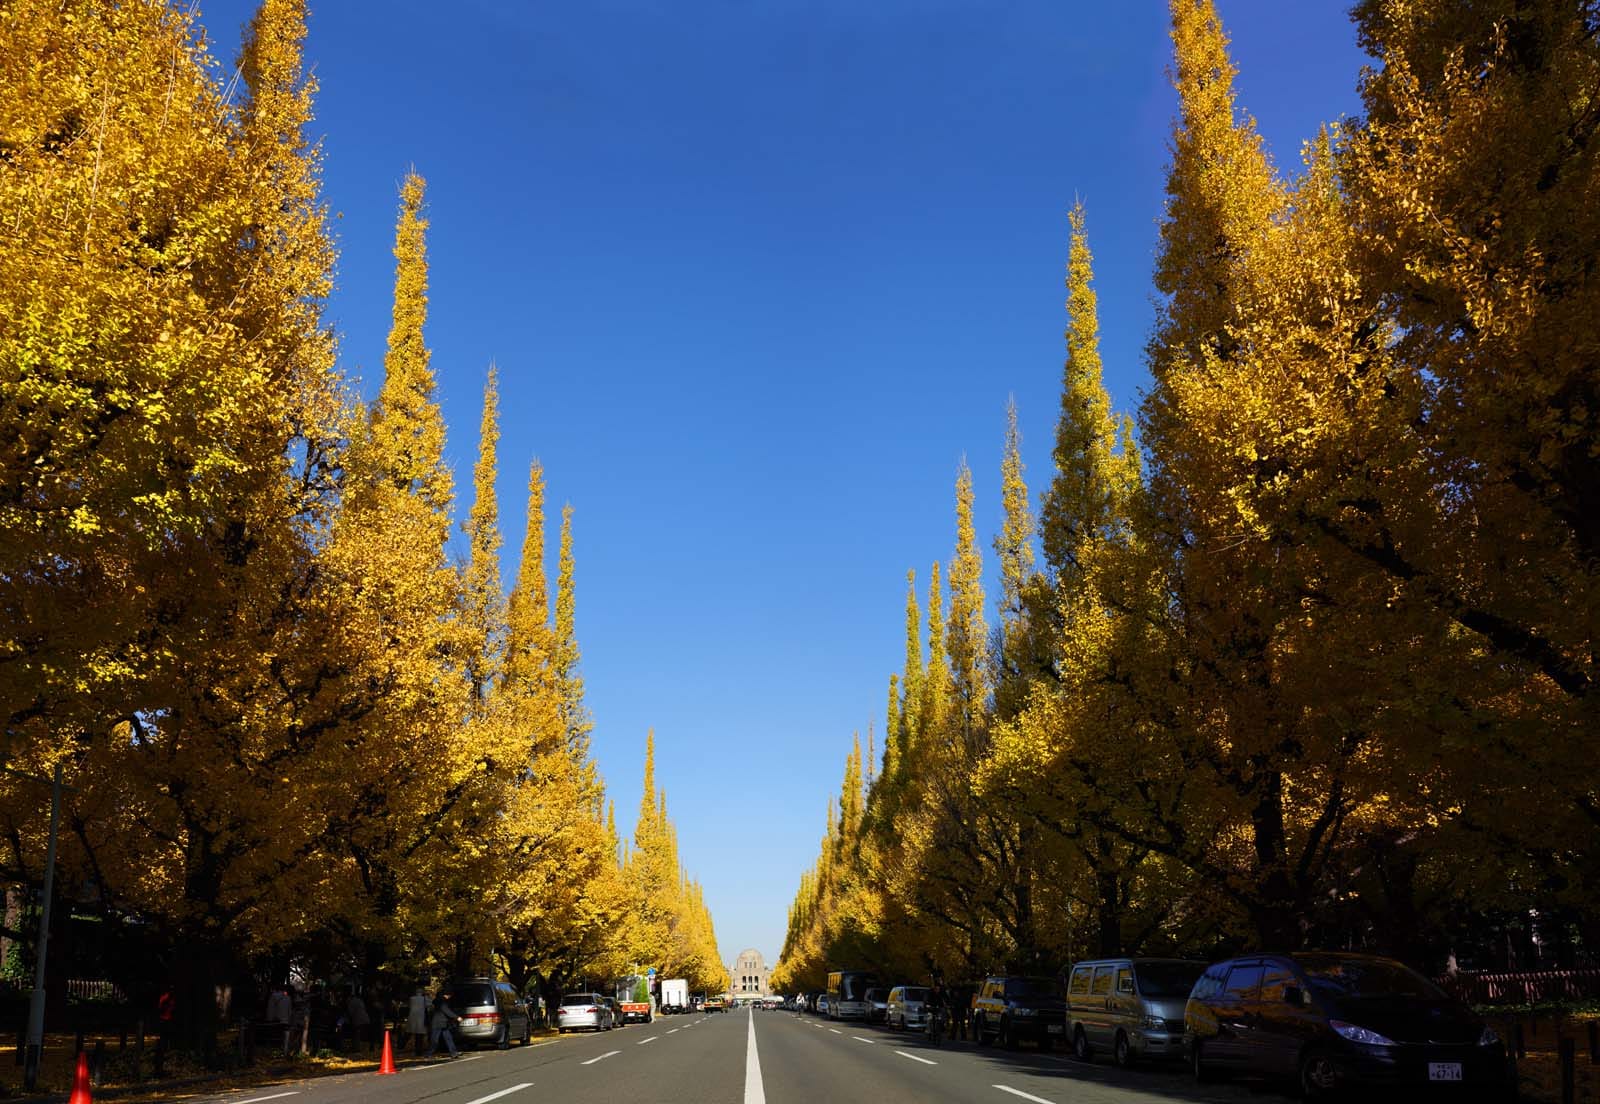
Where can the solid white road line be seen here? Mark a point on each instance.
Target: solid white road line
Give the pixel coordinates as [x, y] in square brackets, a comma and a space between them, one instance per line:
[259, 1099]
[754, 1092]
[642, 1042]
[502, 1092]
[1014, 1092]
[607, 1054]
[914, 1058]
[859, 1039]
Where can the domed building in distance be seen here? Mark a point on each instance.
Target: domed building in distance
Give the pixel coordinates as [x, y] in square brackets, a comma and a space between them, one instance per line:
[749, 973]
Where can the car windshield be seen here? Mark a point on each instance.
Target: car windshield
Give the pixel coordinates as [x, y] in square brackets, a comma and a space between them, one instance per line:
[573, 999]
[1027, 987]
[1336, 976]
[1168, 979]
[915, 995]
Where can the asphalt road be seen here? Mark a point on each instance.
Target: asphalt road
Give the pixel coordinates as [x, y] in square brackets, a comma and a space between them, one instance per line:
[755, 1058]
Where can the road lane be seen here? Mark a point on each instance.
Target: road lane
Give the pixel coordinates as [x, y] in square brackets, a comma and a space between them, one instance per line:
[802, 1065]
[759, 1058]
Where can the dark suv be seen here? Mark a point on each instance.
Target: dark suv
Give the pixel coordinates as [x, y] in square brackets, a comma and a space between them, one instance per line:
[1335, 1021]
[1011, 1009]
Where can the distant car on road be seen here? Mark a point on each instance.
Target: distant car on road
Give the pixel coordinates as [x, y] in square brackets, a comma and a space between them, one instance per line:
[877, 1001]
[715, 1004]
[583, 1011]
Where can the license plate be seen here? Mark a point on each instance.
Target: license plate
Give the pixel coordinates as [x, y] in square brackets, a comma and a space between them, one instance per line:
[1444, 1071]
[1054, 1029]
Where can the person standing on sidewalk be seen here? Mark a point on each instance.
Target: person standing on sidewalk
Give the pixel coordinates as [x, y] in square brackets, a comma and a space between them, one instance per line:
[444, 1021]
[417, 1019]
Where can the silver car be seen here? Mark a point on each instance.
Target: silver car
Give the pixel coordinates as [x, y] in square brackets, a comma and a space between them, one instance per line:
[491, 1012]
[1131, 1007]
[907, 1007]
[583, 1012]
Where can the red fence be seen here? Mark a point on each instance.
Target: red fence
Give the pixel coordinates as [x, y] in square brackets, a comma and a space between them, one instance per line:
[1532, 987]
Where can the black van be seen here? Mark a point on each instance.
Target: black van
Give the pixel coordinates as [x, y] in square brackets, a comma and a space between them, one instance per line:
[1334, 1021]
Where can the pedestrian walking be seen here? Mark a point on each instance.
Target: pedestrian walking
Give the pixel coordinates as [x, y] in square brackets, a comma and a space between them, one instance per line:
[417, 1019]
[166, 1015]
[355, 1010]
[444, 1021]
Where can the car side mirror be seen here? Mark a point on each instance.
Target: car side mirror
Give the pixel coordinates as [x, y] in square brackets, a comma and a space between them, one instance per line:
[1293, 994]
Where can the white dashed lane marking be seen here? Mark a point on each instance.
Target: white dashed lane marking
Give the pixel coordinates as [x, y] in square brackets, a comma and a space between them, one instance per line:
[914, 1058]
[502, 1092]
[601, 1058]
[1019, 1092]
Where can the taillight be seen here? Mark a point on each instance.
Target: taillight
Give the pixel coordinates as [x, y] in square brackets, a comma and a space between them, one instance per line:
[491, 1017]
[593, 1010]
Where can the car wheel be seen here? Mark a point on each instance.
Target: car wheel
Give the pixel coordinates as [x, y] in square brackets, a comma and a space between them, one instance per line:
[1122, 1050]
[1321, 1076]
[1197, 1063]
[1080, 1046]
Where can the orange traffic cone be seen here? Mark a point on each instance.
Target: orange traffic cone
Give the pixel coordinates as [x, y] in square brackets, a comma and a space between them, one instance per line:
[80, 1081]
[384, 1066]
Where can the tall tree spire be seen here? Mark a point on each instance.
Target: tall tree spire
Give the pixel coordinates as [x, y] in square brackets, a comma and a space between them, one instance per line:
[484, 598]
[576, 722]
[936, 675]
[407, 429]
[911, 681]
[966, 635]
[528, 638]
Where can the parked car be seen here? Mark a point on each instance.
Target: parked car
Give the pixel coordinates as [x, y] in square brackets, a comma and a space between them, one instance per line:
[1335, 1021]
[580, 1011]
[820, 1006]
[877, 1005]
[490, 1011]
[1011, 1009]
[1132, 1007]
[905, 1008]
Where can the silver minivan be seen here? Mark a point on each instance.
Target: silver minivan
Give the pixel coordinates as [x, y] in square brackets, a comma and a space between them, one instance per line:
[1132, 1007]
[906, 1008]
[490, 1011]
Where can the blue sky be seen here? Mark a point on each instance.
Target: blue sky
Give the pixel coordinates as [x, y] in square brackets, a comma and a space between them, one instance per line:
[758, 275]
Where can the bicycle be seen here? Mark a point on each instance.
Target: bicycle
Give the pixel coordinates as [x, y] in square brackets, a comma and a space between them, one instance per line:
[937, 1025]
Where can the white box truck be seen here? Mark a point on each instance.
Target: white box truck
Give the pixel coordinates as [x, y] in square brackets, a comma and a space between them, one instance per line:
[674, 995]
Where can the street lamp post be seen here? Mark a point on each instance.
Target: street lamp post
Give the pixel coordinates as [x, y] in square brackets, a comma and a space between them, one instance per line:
[30, 1069]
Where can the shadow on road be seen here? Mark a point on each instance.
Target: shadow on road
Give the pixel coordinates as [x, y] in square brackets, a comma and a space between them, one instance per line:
[1170, 1079]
